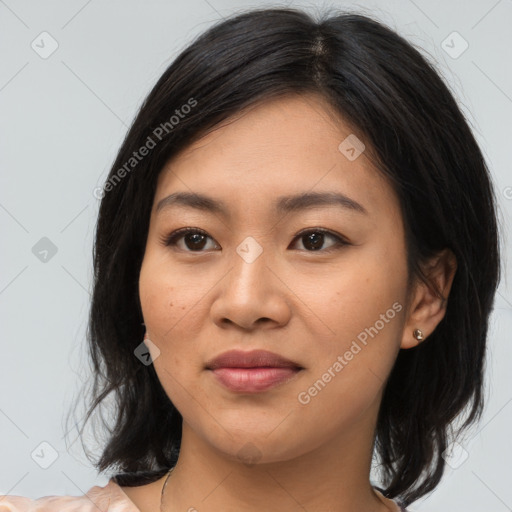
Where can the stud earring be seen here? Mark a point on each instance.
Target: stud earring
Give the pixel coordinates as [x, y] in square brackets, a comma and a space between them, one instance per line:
[418, 334]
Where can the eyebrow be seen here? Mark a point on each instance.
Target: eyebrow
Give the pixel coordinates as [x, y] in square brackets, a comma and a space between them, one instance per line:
[283, 204]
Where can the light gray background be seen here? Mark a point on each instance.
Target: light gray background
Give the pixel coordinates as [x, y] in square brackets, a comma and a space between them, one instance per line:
[63, 119]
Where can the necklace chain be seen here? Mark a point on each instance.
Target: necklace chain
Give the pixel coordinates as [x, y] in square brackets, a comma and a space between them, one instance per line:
[163, 489]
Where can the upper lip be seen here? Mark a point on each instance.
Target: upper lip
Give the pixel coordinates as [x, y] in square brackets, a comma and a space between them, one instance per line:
[252, 359]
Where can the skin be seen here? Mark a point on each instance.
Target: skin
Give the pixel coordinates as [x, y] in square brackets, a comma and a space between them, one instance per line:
[306, 305]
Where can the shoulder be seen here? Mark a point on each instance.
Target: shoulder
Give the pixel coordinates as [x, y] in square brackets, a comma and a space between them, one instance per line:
[97, 499]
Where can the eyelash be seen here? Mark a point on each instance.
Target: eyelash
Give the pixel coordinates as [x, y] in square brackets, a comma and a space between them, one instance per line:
[171, 239]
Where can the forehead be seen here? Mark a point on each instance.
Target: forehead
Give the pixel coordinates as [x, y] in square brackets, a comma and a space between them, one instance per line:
[281, 147]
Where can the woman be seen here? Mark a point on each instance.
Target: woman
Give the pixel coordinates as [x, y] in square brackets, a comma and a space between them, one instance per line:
[302, 228]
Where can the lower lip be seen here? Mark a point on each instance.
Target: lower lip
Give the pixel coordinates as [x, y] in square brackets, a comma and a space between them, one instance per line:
[253, 380]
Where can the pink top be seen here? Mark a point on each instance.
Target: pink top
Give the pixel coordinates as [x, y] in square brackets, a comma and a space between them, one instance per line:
[110, 498]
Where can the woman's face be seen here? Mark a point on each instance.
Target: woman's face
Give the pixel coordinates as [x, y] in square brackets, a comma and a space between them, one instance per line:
[321, 283]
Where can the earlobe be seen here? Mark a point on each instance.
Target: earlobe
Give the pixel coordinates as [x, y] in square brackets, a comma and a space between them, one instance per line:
[428, 306]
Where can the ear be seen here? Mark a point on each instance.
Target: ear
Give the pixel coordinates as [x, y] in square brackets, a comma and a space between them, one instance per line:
[427, 305]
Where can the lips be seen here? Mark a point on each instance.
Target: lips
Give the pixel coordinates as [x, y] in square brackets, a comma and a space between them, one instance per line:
[253, 359]
[252, 372]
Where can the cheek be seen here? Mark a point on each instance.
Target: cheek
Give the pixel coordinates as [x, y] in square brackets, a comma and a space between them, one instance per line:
[165, 299]
[363, 309]
[171, 308]
[360, 292]
[352, 366]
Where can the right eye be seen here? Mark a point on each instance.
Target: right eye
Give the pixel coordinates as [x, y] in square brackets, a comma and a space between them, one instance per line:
[193, 238]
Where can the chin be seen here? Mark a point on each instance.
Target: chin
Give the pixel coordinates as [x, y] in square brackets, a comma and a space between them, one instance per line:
[257, 447]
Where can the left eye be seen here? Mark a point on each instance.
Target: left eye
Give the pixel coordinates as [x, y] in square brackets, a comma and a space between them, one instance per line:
[314, 238]
[195, 239]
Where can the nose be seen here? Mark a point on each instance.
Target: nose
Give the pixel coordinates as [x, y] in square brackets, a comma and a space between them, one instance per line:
[252, 294]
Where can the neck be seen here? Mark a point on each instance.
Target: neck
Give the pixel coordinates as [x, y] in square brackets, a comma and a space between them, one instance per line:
[333, 476]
